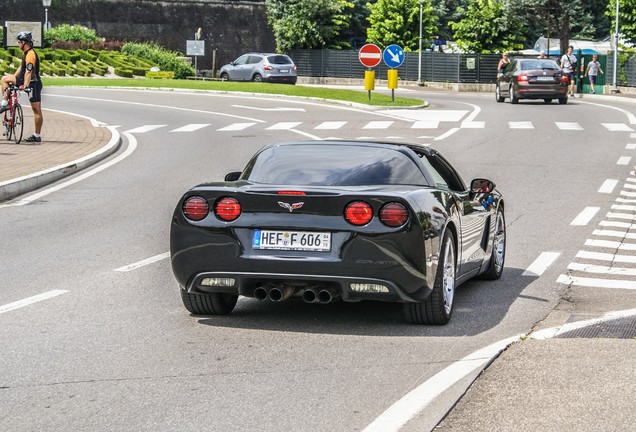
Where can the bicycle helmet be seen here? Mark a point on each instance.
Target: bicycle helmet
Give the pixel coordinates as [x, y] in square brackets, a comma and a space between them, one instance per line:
[25, 37]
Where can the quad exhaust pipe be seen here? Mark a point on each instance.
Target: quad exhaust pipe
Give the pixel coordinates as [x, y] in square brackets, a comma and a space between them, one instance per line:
[279, 293]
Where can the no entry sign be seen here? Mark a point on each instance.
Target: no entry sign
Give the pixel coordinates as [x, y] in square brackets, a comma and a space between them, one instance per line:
[370, 55]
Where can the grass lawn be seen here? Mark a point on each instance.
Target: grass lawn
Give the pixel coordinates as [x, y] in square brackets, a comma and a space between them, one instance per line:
[355, 96]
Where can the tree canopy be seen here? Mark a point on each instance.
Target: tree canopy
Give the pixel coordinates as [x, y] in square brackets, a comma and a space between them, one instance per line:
[398, 22]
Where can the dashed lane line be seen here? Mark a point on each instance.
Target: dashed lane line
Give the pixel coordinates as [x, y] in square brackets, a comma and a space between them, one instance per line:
[541, 264]
[30, 300]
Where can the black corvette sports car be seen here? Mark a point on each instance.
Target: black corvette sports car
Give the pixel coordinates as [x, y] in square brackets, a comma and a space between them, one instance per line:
[328, 220]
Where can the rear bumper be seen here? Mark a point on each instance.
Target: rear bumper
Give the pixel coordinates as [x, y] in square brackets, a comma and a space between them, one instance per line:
[281, 79]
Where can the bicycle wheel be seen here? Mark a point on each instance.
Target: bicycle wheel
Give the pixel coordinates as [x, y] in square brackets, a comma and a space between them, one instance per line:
[8, 129]
[18, 124]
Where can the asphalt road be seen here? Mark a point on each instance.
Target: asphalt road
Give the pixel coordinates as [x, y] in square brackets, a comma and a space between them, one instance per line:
[116, 350]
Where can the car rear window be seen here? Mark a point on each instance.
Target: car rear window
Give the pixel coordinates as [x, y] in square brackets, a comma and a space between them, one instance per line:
[333, 165]
[539, 65]
[279, 59]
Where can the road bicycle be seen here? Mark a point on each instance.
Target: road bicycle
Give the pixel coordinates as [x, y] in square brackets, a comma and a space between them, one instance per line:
[13, 120]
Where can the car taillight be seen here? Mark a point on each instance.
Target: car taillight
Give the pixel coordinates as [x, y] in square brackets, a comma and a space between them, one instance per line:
[195, 208]
[358, 213]
[295, 68]
[522, 78]
[268, 67]
[227, 209]
[565, 78]
[394, 214]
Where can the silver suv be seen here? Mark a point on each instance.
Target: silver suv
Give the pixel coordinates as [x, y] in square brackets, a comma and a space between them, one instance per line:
[260, 67]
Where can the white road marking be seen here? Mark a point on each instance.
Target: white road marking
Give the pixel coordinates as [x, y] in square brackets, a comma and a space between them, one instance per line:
[608, 186]
[606, 257]
[585, 216]
[623, 160]
[30, 300]
[616, 271]
[630, 147]
[398, 414]
[236, 127]
[446, 134]
[596, 283]
[143, 263]
[617, 127]
[145, 128]
[629, 186]
[429, 115]
[521, 125]
[623, 207]
[330, 125]
[541, 264]
[190, 128]
[628, 194]
[269, 109]
[610, 245]
[425, 124]
[568, 126]
[132, 145]
[630, 179]
[284, 126]
[617, 224]
[613, 233]
[378, 124]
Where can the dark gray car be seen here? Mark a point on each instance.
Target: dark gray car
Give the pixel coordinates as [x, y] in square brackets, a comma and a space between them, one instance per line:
[532, 79]
[260, 67]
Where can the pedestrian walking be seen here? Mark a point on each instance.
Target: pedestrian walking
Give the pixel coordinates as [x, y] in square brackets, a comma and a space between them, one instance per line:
[503, 62]
[27, 76]
[592, 70]
[568, 64]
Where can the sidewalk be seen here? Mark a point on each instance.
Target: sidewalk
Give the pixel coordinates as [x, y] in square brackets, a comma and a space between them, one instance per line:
[69, 143]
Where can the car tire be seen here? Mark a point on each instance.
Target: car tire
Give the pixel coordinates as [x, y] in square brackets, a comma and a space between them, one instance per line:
[547, 100]
[225, 77]
[563, 100]
[498, 95]
[257, 78]
[498, 256]
[208, 304]
[438, 307]
[513, 99]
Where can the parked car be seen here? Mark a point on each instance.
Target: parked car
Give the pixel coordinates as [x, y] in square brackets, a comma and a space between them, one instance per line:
[532, 79]
[260, 67]
[329, 220]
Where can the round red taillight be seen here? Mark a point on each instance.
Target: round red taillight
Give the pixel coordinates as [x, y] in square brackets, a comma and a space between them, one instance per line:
[358, 213]
[227, 209]
[394, 214]
[196, 208]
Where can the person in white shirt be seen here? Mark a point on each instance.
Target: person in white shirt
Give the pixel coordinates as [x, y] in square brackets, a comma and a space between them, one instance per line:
[568, 64]
[592, 70]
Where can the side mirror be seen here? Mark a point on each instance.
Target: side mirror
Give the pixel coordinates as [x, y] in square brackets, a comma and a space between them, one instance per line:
[480, 185]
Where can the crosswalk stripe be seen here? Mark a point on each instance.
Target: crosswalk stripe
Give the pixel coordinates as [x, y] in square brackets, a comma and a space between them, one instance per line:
[146, 128]
[616, 271]
[568, 126]
[631, 259]
[236, 127]
[190, 128]
[617, 127]
[378, 125]
[596, 283]
[283, 126]
[428, 124]
[330, 125]
[521, 125]
[623, 160]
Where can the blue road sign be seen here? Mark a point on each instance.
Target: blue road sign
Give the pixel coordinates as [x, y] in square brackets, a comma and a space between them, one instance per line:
[393, 56]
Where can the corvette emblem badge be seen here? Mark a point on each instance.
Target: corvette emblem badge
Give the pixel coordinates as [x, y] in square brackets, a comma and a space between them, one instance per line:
[290, 207]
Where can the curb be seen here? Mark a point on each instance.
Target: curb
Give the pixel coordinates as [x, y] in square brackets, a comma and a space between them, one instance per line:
[21, 185]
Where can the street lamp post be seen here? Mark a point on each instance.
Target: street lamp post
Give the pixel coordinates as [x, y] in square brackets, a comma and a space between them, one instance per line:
[419, 62]
[615, 85]
[46, 4]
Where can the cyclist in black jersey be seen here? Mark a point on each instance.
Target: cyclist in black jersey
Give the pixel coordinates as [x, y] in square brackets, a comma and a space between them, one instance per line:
[27, 76]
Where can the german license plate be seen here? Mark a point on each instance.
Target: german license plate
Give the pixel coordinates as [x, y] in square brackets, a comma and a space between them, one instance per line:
[545, 78]
[292, 240]
[283, 70]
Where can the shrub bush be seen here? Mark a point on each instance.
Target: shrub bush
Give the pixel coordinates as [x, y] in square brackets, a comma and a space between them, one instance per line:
[165, 59]
[70, 33]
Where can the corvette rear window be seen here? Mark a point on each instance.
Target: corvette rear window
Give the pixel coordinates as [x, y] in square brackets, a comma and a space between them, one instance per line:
[333, 165]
